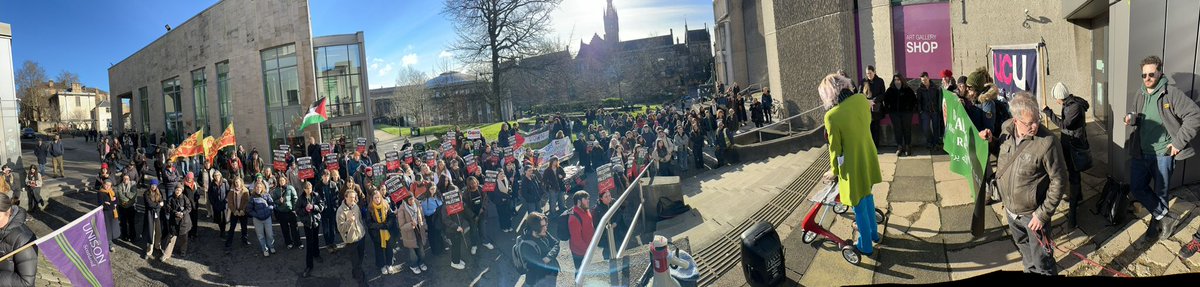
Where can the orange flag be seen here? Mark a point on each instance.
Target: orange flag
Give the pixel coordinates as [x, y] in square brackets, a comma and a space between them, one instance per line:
[190, 146]
[227, 139]
[210, 150]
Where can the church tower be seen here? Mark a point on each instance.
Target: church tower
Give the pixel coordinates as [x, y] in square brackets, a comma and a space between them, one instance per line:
[611, 28]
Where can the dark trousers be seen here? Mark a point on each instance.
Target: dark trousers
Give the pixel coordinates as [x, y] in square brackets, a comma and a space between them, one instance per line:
[1036, 258]
[195, 215]
[356, 259]
[287, 220]
[311, 249]
[436, 243]
[902, 125]
[35, 197]
[578, 262]
[383, 252]
[456, 245]
[1075, 197]
[329, 228]
[128, 222]
[220, 220]
[698, 156]
[233, 223]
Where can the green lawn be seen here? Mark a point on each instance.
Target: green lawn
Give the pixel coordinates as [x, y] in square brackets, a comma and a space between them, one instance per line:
[404, 131]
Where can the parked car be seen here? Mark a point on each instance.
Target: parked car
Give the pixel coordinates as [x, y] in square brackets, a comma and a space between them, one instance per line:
[28, 133]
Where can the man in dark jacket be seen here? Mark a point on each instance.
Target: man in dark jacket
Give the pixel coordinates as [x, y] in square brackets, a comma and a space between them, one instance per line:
[1030, 172]
[1073, 138]
[42, 152]
[874, 87]
[1162, 128]
[930, 106]
[21, 270]
[56, 152]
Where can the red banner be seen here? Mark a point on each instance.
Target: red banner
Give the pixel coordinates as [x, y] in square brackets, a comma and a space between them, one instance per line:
[280, 160]
[362, 146]
[326, 149]
[431, 159]
[408, 156]
[393, 160]
[420, 188]
[472, 166]
[605, 179]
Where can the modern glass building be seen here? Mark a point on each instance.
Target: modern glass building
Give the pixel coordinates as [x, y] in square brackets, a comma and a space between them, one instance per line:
[251, 63]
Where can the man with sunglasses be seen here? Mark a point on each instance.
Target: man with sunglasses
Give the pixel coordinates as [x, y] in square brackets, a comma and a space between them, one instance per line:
[1161, 128]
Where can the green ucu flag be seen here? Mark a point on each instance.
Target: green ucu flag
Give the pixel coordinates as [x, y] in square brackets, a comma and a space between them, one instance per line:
[968, 154]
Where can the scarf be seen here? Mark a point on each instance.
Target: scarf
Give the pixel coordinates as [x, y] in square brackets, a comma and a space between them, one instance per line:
[380, 211]
[111, 197]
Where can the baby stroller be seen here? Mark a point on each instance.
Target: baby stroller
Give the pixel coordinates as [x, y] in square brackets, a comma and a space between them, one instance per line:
[812, 225]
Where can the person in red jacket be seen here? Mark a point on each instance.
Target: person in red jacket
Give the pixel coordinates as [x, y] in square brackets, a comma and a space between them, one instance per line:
[581, 226]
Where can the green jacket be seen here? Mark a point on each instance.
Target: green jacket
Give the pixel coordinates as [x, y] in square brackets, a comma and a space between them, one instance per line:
[285, 198]
[848, 127]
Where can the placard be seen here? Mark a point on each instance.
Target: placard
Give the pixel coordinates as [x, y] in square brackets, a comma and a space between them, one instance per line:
[393, 160]
[307, 171]
[421, 187]
[489, 181]
[407, 155]
[361, 146]
[331, 162]
[472, 166]
[448, 150]
[397, 192]
[509, 156]
[326, 149]
[378, 173]
[280, 160]
[604, 178]
[431, 159]
[618, 165]
[512, 140]
[451, 137]
[453, 202]
[474, 134]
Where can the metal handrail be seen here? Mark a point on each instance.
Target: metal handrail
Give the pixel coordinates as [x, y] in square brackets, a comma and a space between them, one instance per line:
[787, 121]
[628, 233]
[587, 257]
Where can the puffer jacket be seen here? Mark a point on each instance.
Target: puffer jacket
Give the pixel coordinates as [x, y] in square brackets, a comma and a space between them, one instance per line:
[21, 269]
[1033, 181]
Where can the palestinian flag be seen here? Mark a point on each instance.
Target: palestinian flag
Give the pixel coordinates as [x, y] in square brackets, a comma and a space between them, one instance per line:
[227, 139]
[316, 114]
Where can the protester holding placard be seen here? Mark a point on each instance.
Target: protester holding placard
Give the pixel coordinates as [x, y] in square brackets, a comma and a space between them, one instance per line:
[413, 233]
[456, 226]
[475, 215]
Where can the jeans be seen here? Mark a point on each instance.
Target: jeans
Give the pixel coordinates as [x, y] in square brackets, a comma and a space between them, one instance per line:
[934, 128]
[329, 228]
[864, 218]
[1036, 258]
[1153, 198]
[42, 166]
[415, 257]
[266, 234]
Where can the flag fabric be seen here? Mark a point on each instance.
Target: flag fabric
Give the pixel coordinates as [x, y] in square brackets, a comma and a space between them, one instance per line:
[968, 153]
[210, 149]
[190, 146]
[316, 114]
[80, 250]
[227, 139]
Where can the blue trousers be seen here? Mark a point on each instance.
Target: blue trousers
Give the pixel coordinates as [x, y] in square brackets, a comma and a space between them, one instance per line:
[1143, 170]
[868, 229]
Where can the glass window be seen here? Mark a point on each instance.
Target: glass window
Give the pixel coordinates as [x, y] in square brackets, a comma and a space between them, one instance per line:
[290, 84]
[223, 98]
[340, 79]
[172, 109]
[354, 60]
[271, 84]
[77, 102]
[144, 107]
[281, 91]
[337, 60]
[200, 94]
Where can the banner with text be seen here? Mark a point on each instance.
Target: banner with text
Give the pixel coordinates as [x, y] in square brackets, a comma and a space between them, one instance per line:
[80, 250]
[1016, 68]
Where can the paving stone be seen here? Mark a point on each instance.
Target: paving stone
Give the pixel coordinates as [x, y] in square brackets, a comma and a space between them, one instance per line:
[907, 259]
[832, 270]
[956, 227]
[982, 259]
[914, 167]
[941, 172]
[1159, 255]
[912, 188]
[887, 157]
[887, 171]
[881, 190]
[929, 224]
[955, 193]
[1177, 267]
[903, 210]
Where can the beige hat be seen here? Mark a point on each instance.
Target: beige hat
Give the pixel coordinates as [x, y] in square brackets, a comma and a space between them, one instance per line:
[1060, 91]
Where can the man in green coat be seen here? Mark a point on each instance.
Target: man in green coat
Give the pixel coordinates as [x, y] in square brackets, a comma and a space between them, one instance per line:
[852, 155]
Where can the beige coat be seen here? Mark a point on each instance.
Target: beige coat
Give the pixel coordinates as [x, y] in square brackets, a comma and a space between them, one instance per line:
[349, 223]
[412, 229]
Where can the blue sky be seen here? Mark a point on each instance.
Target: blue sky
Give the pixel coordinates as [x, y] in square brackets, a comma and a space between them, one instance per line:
[86, 37]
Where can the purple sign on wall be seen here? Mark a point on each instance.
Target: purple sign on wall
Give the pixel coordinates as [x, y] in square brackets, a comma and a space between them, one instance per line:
[1016, 69]
[922, 38]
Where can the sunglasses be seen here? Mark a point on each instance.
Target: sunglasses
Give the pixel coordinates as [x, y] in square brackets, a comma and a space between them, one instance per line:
[1149, 75]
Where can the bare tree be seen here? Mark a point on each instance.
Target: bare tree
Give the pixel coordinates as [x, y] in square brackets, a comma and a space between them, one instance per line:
[30, 80]
[495, 31]
[410, 94]
[67, 78]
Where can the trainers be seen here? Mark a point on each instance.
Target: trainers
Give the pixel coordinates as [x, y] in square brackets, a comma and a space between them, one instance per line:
[272, 250]
[266, 253]
[423, 267]
[460, 265]
[1154, 229]
[489, 246]
[384, 271]
[1189, 249]
[393, 269]
[415, 270]
[473, 248]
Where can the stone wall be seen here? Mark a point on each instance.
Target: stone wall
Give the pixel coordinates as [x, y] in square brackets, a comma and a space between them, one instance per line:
[814, 38]
[233, 31]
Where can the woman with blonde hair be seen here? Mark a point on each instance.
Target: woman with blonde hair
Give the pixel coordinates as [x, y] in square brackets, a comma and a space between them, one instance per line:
[852, 155]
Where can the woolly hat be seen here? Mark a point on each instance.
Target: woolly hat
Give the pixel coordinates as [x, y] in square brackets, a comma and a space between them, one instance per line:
[978, 79]
[153, 182]
[947, 74]
[1060, 91]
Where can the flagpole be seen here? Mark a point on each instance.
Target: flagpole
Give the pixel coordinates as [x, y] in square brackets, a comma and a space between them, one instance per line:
[48, 236]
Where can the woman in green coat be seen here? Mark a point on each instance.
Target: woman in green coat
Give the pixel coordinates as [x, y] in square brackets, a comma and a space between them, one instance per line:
[852, 154]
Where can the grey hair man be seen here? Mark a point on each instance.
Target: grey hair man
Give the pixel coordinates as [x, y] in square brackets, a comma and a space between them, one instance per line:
[1032, 175]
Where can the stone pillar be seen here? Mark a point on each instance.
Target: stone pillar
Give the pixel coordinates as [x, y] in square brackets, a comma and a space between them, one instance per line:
[10, 138]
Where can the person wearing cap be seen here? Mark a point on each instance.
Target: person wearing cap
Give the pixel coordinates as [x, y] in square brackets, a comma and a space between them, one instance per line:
[1073, 138]
[154, 201]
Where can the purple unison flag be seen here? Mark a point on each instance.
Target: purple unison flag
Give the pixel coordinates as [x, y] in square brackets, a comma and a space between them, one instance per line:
[80, 250]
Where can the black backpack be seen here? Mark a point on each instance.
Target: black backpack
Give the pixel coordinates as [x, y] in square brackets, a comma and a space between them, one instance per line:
[563, 229]
[1114, 202]
[517, 260]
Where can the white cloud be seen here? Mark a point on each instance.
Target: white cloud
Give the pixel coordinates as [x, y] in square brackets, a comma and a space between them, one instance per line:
[379, 68]
[409, 60]
[577, 20]
[445, 54]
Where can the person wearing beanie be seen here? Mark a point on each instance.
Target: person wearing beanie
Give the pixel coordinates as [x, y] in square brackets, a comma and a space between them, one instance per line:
[948, 81]
[1072, 125]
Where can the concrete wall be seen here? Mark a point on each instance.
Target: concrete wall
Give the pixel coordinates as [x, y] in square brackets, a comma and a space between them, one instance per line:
[813, 38]
[234, 31]
[875, 39]
[999, 22]
[10, 130]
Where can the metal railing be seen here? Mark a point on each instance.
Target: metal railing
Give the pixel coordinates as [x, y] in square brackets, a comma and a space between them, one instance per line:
[605, 220]
[787, 121]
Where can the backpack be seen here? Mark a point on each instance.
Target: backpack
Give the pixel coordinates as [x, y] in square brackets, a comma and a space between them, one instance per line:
[563, 229]
[517, 260]
[1114, 202]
